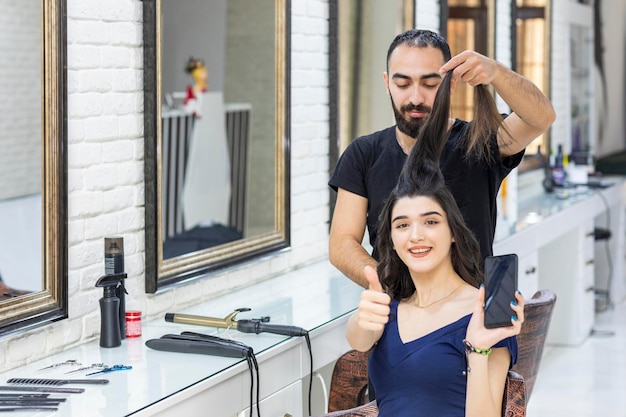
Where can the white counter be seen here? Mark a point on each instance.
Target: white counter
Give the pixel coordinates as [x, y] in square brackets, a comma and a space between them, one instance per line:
[554, 239]
[316, 298]
[556, 252]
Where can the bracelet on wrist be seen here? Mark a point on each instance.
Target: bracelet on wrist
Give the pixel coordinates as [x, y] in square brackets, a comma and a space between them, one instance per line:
[469, 348]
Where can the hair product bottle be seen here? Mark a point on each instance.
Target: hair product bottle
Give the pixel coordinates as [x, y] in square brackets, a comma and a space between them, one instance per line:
[110, 335]
[114, 264]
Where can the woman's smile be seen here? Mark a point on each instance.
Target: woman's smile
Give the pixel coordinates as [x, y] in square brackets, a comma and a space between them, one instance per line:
[420, 251]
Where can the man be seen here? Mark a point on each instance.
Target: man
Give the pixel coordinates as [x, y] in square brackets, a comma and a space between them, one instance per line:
[369, 168]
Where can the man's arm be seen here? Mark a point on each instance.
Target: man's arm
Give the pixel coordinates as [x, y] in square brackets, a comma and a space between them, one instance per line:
[346, 234]
[532, 111]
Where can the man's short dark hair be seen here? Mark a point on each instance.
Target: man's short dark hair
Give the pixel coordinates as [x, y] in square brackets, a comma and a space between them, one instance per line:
[420, 38]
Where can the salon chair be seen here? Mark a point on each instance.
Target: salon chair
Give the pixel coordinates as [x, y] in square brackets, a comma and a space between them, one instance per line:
[348, 383]
[348, 390]
[532, 338]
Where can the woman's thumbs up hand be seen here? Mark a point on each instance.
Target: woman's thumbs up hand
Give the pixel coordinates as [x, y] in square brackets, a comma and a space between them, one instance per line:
[373, 309]
[372, 279]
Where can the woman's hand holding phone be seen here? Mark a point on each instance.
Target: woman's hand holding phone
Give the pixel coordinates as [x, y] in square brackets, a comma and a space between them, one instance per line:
[482, 337]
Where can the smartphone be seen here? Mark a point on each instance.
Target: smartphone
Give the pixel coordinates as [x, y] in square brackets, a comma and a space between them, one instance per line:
[500, 287]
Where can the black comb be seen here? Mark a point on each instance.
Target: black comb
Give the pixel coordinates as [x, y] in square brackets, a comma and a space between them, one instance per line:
[58, 390]
[43, 381]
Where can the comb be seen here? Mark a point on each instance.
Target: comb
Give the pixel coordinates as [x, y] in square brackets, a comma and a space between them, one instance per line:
[58, 390]
[28, 408]
[43, 381]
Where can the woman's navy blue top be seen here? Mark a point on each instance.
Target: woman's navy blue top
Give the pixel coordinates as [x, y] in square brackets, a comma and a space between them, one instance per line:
[425, 377]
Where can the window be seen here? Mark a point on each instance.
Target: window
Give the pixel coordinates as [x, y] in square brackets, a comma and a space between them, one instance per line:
[469, 27]
[531, 51]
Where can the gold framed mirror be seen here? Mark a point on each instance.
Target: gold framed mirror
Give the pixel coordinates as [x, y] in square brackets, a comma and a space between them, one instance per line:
[216, 130]
[359, 35]
[33, 189]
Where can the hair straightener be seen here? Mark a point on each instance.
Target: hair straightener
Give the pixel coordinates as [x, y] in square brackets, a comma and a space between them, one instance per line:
[190, 342]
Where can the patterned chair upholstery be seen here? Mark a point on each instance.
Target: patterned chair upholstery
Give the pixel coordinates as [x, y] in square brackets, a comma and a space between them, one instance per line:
[532, 338]
[348, 390]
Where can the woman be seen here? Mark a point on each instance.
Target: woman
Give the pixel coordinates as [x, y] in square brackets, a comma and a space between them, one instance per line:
[423, 313]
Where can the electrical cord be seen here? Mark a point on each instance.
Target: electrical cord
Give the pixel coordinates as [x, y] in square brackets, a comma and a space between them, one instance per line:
[607, 291]
[192, 342]
[253, 363]
[308, 344]
[261, 326]
[256, 326]
[324, 390]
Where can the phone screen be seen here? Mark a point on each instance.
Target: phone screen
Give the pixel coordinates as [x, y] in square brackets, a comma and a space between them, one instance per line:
[500, 287]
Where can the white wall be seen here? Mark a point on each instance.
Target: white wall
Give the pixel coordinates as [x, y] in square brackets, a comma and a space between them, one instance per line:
[427, 15]
[613, 15]
[610, 118]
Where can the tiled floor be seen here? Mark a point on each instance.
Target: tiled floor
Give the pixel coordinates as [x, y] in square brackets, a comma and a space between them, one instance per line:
[587, 380]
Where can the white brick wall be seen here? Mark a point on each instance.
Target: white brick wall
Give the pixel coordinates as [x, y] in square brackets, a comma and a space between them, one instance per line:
[427, 15]
[560, 72]
[503, 42]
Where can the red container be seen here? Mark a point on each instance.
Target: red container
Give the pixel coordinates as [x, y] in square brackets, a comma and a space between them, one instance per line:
[133, 323]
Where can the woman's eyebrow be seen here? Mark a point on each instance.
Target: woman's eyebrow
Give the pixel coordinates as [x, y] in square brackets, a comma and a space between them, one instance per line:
[426, 214]
[401, 217]
[431, 213]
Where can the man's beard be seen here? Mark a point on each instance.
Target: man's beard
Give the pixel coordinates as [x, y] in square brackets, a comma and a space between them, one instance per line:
[412, 126]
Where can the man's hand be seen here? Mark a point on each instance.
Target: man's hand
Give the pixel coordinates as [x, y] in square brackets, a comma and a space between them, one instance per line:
[532, 113]
[472, 68]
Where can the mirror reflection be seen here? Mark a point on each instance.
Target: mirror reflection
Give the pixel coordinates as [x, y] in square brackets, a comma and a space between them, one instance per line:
[215, 120]
[33, 189]
[220, 138]
[20, 158]
[363, 35]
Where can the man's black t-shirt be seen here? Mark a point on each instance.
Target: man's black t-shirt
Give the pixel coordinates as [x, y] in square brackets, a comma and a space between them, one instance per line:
[371, 165]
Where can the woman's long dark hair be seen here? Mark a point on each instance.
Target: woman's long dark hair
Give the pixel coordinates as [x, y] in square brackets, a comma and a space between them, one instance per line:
[485, 125]
[421, 176]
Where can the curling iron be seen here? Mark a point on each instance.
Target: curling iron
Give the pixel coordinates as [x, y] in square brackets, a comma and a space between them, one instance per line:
[245, 326]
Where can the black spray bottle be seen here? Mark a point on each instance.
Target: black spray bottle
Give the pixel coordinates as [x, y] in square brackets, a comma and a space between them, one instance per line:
[110, 310]
[114, 264]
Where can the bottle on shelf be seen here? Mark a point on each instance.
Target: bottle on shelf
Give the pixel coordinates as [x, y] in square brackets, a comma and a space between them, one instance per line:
[558, 168]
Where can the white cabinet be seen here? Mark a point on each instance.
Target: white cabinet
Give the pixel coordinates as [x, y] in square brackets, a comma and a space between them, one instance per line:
[524, 245]
[566, 267]
[528, 274]
[286, 402]
[554, 240]
[587, 269]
